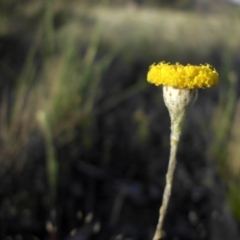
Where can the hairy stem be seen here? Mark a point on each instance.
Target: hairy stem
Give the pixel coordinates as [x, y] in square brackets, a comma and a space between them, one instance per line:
[175, 135]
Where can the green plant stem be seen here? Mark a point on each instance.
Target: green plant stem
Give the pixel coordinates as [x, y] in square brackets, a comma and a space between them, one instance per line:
[175, 135]
[49, 26]
[51, 160]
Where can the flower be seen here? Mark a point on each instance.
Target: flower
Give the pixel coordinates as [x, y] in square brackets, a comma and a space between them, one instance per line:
[179, 76]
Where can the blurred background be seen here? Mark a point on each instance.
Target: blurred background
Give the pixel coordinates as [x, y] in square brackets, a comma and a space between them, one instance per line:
[84, 139]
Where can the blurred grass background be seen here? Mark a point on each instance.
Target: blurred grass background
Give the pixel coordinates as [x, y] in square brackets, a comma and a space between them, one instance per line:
[83, 137]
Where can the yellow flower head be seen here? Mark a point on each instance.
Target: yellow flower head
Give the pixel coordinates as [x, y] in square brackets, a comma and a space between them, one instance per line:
[179, 76]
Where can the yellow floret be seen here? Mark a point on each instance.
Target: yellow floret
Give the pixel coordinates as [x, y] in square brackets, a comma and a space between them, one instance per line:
[179, 76]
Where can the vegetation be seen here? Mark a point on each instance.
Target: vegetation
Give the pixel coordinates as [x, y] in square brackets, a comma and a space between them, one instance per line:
[83, 139]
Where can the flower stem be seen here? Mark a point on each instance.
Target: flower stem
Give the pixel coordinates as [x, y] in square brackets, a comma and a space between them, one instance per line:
[175, 135]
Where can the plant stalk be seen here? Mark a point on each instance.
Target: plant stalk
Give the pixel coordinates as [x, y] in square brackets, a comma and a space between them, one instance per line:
[175, 135]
